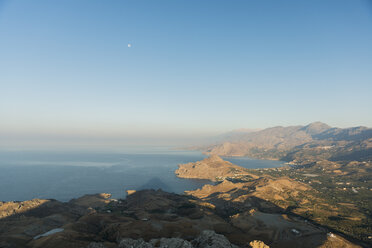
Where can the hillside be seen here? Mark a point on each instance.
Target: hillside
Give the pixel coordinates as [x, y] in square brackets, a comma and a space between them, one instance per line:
[146, 218]
[332, 194]
[154, 218]
[212, 168]
[299, 143]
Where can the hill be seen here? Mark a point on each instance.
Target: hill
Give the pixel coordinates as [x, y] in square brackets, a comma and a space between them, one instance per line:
[154, 218]
[299, 143]
[331, 194]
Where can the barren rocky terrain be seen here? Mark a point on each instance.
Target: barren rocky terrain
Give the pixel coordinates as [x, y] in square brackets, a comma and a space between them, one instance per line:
[152, 218]
[287, 191]
[212, 168]
[146, 218]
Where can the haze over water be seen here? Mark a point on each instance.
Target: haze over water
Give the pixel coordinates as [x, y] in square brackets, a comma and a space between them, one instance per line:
[65, 175]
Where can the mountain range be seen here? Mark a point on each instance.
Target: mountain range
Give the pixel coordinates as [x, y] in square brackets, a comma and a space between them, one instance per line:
[314, 141]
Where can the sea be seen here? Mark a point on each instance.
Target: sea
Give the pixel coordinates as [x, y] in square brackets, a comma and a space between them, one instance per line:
[64, 175]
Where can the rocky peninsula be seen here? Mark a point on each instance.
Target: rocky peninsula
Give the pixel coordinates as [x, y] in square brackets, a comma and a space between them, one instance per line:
[212, 168]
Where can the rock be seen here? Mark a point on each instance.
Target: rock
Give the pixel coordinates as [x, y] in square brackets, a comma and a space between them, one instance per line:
[171, 242]
[53, 231]
[131, 243]
[93, 201]
[8, 209]
[258, 244]
[96, 245]
[209, 239]
[130, 191]
[159, 243]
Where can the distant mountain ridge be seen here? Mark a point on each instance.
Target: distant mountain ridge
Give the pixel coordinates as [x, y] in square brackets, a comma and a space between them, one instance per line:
[314, 141]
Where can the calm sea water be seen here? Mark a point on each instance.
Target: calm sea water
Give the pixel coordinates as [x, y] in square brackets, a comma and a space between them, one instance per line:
[65, 175]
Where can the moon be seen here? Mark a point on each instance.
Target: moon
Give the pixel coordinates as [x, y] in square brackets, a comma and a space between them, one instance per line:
[129, 45]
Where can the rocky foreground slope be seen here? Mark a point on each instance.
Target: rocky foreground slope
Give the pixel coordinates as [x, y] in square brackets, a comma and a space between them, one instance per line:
[146, 218]
[152, 218]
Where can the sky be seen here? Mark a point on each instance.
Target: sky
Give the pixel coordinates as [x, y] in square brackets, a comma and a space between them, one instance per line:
[193, 68]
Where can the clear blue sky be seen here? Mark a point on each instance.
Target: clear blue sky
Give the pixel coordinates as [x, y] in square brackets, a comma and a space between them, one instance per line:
[194, 68]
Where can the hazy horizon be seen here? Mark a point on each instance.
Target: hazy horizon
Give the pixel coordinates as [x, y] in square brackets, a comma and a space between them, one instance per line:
[92, 73]
[111, 141]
